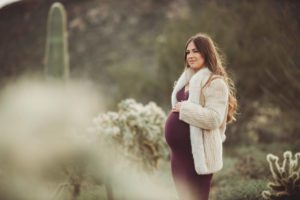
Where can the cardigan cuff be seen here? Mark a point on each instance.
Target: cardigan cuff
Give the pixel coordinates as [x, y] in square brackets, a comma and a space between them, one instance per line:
[184, 112]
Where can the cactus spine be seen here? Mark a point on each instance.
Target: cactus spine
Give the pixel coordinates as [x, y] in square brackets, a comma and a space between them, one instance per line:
[286, 183]
[57, 57]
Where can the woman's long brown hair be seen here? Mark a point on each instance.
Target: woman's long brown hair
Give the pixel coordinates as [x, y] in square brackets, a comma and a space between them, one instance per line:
[214, 61]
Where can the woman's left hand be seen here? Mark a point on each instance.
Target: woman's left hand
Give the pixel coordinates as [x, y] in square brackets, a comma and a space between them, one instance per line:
[176, 108]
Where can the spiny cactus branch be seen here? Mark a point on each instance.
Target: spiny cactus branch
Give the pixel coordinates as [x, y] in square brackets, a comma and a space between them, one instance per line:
[286, 183]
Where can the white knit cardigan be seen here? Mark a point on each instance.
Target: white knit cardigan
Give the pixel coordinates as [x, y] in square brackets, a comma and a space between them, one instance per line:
[206, 115]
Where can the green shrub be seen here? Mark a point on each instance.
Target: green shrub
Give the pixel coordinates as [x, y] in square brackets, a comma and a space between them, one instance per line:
[252, 166]
[250, 162]
[221, 178]
[241, 189]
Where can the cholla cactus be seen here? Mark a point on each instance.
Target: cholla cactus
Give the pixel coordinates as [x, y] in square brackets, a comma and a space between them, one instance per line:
[137, 130]
[286, 183]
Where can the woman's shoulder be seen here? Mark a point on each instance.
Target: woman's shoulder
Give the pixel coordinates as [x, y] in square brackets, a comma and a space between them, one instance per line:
[217, 83]
[219, 80]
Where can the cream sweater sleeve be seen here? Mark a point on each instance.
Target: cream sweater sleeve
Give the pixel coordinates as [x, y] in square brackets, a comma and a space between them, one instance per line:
[212, 114]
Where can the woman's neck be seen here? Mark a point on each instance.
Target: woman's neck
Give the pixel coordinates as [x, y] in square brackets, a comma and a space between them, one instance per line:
[196, 70]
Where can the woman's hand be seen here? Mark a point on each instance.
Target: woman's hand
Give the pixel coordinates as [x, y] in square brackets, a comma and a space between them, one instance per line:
[176, 108]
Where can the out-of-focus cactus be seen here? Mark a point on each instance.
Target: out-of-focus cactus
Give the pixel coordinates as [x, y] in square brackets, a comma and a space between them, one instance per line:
[57, 56]
[137, 131]
[286, 183]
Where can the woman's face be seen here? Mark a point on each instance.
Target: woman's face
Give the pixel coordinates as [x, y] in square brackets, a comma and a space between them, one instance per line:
[193, 57]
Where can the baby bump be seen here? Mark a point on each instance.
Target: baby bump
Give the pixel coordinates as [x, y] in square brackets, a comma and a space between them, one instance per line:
[176, 132]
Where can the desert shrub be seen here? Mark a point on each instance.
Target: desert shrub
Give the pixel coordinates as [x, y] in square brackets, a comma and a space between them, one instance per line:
[252, 166]
[279, 147]
[250, 161]
[241, 189]
[135, 131]
[221, 177]
[47, 153]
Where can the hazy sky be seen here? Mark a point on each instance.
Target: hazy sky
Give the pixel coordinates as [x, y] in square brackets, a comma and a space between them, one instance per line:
[4, 2]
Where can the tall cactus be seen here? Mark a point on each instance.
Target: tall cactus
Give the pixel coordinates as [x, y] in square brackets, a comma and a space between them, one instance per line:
[286, 183]
[57, 56]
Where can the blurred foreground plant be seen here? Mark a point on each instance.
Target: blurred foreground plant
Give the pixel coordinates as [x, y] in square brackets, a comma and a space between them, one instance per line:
[286, 183]
[46, 152]
[43, 147]
[136, 131]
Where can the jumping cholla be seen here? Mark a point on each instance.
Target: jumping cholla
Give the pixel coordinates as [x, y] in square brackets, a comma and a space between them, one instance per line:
[286, 183]
[135, 132]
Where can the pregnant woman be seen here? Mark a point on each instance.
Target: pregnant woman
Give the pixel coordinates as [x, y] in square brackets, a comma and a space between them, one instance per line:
[203, 102]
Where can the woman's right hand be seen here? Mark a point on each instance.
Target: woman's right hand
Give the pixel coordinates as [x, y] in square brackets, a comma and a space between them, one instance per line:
[176, 108]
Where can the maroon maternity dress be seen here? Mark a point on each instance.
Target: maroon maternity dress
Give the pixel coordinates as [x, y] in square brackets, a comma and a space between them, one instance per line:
[189, 184]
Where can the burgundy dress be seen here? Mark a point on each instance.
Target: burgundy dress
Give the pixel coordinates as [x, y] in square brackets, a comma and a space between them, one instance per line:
[189, 184]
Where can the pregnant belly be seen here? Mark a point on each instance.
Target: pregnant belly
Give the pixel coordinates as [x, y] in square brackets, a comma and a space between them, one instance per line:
[177, 132]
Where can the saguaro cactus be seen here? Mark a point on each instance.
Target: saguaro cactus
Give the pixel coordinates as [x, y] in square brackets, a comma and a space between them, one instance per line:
[57, 56]
[286, 183]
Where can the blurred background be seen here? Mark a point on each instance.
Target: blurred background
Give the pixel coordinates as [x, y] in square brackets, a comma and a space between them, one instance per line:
[135, 49]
